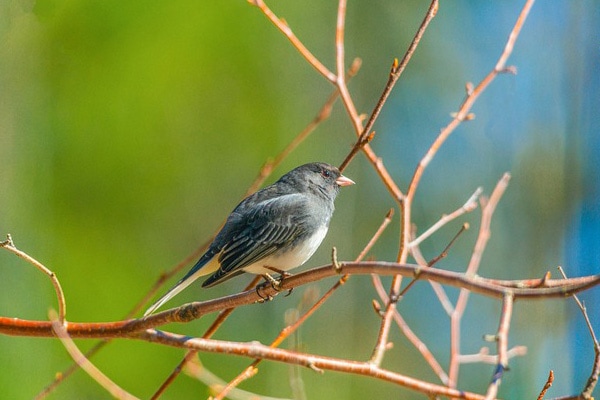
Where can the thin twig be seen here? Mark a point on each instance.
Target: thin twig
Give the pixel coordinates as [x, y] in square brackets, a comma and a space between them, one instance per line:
[459, 117]
[200, 372]
[321, 116]
[438, 289]
[484, 357]
[486, 221]
[502, 340]
[395, 73]
[60, 377]
[410, 335]
[547, 385]
[431, 263]
[9, 245]
[404, 203]
[482, 238]
[287, 31]
[470, 205]
[84, 363]
[590, 384]
[444, 252]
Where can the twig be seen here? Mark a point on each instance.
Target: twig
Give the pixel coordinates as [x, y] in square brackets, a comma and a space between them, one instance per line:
[470, 205]
[547, 385]
[9, 245]
[410, 335]
[60, 377]
[590, 384]
[486, 221]
[379, 349]
[321, 116]
[403, 201]
[431, 263]
[364, 133]
[484, 357]
[395, 73]
[84, 363]
[444, 252]
[502, 340]
[199, 372]
[340, 81]
[437, 288]
[482, 238]
[287, 31]
[460, 116]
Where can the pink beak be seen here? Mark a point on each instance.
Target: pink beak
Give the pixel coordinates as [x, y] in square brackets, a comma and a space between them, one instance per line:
[343, 181]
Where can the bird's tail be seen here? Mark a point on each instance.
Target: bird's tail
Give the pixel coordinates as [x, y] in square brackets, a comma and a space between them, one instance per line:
[206, 265]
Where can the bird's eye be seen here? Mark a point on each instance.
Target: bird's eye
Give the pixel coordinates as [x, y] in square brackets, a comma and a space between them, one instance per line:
[326, 173]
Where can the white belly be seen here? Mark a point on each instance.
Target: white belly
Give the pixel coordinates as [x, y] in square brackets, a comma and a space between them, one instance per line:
[292, 258]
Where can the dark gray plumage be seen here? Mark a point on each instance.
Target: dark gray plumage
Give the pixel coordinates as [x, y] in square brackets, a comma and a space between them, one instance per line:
[275, 229]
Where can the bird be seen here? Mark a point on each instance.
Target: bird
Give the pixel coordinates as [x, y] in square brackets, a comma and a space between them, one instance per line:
[272, 230]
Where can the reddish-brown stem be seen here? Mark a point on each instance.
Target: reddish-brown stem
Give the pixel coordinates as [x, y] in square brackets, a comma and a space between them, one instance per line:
[554, 288]
[547, 385]
[259, 351]
[286, 30]
[395, 72]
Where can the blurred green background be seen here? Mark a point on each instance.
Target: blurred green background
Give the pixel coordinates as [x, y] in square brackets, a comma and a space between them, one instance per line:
[129, 130]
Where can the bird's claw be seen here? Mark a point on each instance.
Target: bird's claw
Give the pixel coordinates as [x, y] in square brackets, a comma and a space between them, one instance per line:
[263, 299]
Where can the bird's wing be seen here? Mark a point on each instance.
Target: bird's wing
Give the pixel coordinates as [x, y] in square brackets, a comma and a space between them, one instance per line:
[261, 231]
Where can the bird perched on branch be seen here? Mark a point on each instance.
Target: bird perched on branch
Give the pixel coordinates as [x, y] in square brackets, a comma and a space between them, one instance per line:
[273, 230]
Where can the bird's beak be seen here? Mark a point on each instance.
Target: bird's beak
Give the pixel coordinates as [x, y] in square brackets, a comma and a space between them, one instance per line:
[343, 181]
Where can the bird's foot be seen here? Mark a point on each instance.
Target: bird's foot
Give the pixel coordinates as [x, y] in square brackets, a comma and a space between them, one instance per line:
[276, 283]
[263, 298]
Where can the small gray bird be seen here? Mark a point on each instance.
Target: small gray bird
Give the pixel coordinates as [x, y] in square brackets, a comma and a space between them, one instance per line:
[273, 230]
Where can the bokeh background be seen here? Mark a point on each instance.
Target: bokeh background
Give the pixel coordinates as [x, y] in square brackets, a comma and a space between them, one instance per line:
[129, 130]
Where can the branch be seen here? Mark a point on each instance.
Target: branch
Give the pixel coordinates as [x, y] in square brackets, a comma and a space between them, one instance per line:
[397, 68]
[547, 385]
[554, 288]
[286, 30]
[590, 385]
[9, 245]
[469, 206]
[502, 340]
[257, 350]
[84, 363]
[321, 116]
[411, 336]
